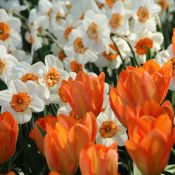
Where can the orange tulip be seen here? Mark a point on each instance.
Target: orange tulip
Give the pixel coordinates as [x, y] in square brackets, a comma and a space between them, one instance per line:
[11, 173]
[54, 173]
[84, 94]
[148, 108]
[62, 145]
[99, 160]
[39, 127]
[136, 85]
[8, 136]
[150, 142]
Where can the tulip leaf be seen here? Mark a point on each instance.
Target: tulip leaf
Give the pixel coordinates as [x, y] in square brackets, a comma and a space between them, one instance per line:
[170, 169]
[43, 133]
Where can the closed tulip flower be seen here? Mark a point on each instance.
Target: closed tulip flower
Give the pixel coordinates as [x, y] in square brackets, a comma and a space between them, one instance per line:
[84, 94]
[39, 130]
[150, 142]
[137, 85]
[62, 144]
[99, 160]
[8, 136]
[150, 108]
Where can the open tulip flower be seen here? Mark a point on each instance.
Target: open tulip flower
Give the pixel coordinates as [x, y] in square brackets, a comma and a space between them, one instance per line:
[150, 142]
[99, 160]
[137, 85]
[8, 136]
[62, 145]
[84, 94]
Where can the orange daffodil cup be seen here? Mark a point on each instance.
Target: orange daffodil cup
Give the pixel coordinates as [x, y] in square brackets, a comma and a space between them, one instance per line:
[8, 136]
[137, 85]
[150, 141]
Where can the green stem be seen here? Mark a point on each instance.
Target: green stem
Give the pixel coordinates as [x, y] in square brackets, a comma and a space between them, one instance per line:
[133, 53]
[173, 98]
[123, 61]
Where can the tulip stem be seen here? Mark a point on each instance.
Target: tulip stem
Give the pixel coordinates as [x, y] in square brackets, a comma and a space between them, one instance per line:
[123, 61]
[5, 167]
[173, 98]
[133, 53]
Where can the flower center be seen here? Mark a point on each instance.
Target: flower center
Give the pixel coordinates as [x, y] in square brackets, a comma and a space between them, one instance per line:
[163, 4]
[78, 45]
[116, 20]
[2, 66]
[30, 39]
[76, 67]
[40, 29]
[110, 3]
[108, 129]
[92, 31]
[52, 77]
[20, 102]
[67, 32]
[100, 5]
[4, 31]
[61, 55]
[173, 62]
[68, 5]
[142, 45]
[58, 17]
[29, 76]
[49, 12]
[143, 14]
[111, 55]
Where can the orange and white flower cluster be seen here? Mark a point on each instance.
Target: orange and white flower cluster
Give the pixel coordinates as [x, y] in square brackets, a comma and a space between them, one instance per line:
[84, 85]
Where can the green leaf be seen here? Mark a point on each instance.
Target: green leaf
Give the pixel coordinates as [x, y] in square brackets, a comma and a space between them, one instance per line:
[43, 133]
[170, 169]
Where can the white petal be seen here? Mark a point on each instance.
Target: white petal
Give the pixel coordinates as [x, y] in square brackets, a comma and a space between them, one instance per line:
[37, 105]
[17, 86]
[5, 97]
[3, 15]
[52, 61]
[21, 117]
[35, 90]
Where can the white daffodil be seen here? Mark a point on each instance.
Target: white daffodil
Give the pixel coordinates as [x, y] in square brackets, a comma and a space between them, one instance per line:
[63, 30]
[146, 40]
[7, 62]
[118, 18]
[95, 31]
[10, 31]
[21, 55]
[144, 15]
[110, 130]
[25, 72]
[12, 6]
[75, 48]
[58, 14]
[21, 99]
[111, 58]
[71, 65]
[44, 7]
[38, 24]
[79, 7]
[54, 74]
